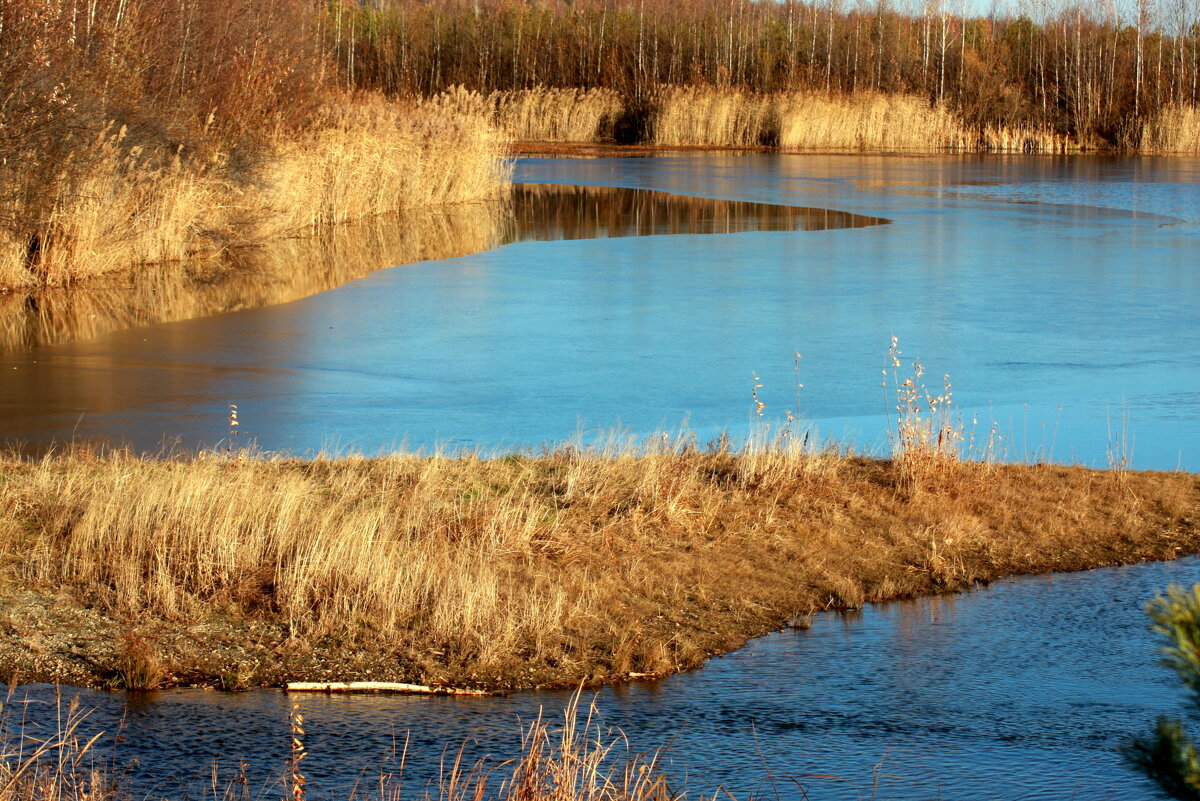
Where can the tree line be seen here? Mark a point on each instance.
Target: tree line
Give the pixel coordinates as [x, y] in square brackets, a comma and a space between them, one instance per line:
[1094, 72]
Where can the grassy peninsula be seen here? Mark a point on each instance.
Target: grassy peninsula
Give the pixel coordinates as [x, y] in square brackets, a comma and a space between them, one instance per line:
[549, 569]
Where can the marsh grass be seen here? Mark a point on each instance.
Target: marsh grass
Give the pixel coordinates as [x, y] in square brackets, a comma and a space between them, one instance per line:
[877, 121]
[373, 157]
[122, 206]
[542, 114]
[578, 563]
[928, 434]
[712, 116]
[139, 666]
[691, 115]
[1176, 129]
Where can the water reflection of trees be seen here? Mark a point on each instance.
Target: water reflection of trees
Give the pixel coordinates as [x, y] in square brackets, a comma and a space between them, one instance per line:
[545, 212]
[244, 279]
[293, 269]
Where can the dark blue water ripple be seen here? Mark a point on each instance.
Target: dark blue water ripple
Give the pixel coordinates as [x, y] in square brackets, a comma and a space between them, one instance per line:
[1022, 690]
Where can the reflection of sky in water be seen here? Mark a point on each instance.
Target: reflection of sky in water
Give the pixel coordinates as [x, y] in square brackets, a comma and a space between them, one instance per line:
[1023, 690]
[1177, 200]
[1058, 321]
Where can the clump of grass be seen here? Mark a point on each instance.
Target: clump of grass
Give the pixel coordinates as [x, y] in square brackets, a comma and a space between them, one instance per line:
[139, 665]
[558, 114]
[371, 157]
[875, 121]
[692, 115]
[928, 434]
[1175, 129]
[541, 114]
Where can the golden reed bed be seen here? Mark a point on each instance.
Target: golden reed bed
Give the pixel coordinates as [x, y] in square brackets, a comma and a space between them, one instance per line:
[566, 566]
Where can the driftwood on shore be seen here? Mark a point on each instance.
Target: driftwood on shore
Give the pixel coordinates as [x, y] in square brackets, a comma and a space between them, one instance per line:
[376, 686]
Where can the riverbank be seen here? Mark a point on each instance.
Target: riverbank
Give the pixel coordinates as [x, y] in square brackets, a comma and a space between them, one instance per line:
[513, 573]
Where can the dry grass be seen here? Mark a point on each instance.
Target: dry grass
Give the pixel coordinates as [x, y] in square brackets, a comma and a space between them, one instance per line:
[372, 158]
[118, 206]
[1176, 129]
[698, 116]
[544, 114]
[111, 207]
[709, 116]
[559, 115]
[577, 759]
[56, 765]
[572, 565]
[875, 121]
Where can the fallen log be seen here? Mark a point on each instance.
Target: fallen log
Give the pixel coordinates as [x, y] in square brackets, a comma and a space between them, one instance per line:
[376, 686]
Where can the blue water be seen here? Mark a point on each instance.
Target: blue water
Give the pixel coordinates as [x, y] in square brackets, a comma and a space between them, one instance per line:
[1022, 690]
[1059, 294]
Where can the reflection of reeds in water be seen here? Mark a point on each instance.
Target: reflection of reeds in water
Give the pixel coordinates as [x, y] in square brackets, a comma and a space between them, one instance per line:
[243, 279]
[290, 269]
[547, 212]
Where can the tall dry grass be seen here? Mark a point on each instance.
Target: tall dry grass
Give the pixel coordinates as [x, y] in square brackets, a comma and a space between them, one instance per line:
[709, 116]
[55, 765]
[682, 116]
[542, 114]
[112, 206]
[568, 565]
[1175, 129]
[372, 158]
[875, 121]
[123, 206]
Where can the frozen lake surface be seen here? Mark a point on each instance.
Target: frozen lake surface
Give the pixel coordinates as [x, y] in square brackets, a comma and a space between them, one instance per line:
[1059, 294]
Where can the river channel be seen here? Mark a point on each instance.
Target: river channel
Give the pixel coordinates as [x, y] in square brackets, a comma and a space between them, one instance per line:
[1022, 690]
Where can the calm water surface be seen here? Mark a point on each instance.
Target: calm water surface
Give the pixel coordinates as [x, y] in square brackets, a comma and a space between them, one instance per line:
[1059, 294]
[1022, 690]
